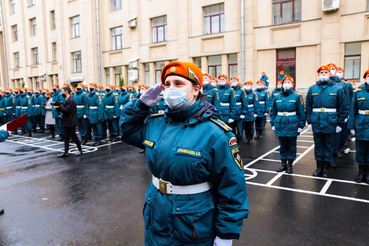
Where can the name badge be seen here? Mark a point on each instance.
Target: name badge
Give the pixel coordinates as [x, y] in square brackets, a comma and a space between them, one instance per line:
[188, 152]
[333, 94]
[315, 94]
[148, 143]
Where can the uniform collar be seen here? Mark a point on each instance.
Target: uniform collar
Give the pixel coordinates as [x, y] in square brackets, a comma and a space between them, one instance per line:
[287, 92]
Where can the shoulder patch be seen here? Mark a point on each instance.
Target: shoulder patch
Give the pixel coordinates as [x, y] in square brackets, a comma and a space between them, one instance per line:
[357, 90]
[157, 115]
[298, 93]
[221, 124]
[232, 141]
[237, 157]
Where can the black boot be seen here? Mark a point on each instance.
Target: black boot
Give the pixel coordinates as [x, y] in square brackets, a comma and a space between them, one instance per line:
[247, 138]
[23, 132]
[283, 166]
[42, 130]
[367, 173]
[257, 134]
[29, 133]
[260, 134]
[361, 177]
[325, 171]
[98, 142]
[318, 171]
[251, 140]
[333, 164]
[83, 140]
[340, 155]
[15, 132]
[289, 166]
[1, 211]
[113, 139]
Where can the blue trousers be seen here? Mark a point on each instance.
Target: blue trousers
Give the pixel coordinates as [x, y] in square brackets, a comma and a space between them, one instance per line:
[248, 127]
[82, 127]
[362, 152]
[97, 130]
[260, 123]
[288, 148]
[324, 146]
[113, 126]
[59, 126]
[40, 120]
[27, 126]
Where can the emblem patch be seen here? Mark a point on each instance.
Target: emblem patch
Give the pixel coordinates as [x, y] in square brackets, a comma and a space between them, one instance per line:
[148, 143]
[232, 141]
[172, 69]
[188, 152]
[192, 75]
[302, 101]
[237, 157]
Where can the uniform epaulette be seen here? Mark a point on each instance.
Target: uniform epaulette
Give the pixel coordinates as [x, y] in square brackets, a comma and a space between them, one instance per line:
[242, 89]
[215, 89]
[97, 93]
[157, 115]
[221, 124]
[298, 93]
[231, 89]
[359, 89]
[276, 94]
[254, 92]
[344, 81]
[27, 96]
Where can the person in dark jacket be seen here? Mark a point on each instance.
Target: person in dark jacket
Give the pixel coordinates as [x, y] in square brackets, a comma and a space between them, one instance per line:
[70, 121]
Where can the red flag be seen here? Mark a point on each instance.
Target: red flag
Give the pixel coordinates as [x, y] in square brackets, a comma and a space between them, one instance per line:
[16, 123]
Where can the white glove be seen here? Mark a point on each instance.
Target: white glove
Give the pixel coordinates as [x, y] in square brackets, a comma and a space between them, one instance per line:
[230, 121]
[85, 117]
[353, 132]
[299, 130]
[338, 129]
[4, 114]
[151, 96]
[346, 120]
[273, 128]
[266, 114]
[242, 117]
[10, 132]
[115, 117]
[222, 242]
[255, 115]
[310, 127]
[59, 116]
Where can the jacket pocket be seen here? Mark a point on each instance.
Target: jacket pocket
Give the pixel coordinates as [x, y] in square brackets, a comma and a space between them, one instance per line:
[147, 210]
[360, 124]
[332, 119]
[225, 111]
[194, 220]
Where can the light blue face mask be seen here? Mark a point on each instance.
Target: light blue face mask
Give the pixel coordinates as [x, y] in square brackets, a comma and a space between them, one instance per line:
[367, 81]
[176, 98]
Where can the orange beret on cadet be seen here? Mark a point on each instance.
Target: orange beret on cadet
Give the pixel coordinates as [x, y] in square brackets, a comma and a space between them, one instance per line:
[235, 78]
[213, 78]
[248, 83]
[223, 76]
[93, 84]
[323, 68]
[260, 82]
[279, 82]
[56, 85]
[332, 65]
[66, 84]
[185, 70]
[207, 74]
[367, 72]
[289, 78]
[339, 69]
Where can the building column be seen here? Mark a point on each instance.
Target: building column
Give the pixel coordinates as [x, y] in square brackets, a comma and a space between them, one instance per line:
[141, 73]
[32, 83]
[54, 81]
[112, 75]
[152, 73]
[204, 64]
[125, 75]
[225, 65]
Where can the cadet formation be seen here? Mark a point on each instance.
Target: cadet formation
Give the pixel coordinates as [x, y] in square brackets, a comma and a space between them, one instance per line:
[332, 110]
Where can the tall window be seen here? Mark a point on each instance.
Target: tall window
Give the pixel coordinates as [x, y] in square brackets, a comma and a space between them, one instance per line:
[16, 59]
[158, 67]
[147, 73]
[12, 6]
[117, 38]
[215, 65]
[35, 56]
[33, 27]
[197, 61]
[214, 19]
[352, 60]
[233, 66]
[286, 11]
[37, 83]
[107, 71]
[75, 27]
[116, 5]
[77, 62]
[31, 2]
[55, 52]
[15, 33]
[159, 29]
[52, 15]
[118, 74]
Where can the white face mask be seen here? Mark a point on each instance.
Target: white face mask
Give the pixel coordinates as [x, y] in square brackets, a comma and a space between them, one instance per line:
[339, 75]
[176, 98]
[205, 82]
[287, 86]
[214, 84]
[247, 87]
[234, 84]
[333, 72]
[367, 81]
[222, 83]
[259, 86]
[279, 86]
[323, 78]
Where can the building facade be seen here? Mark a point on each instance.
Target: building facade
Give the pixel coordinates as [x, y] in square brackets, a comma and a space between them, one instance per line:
[55, 41]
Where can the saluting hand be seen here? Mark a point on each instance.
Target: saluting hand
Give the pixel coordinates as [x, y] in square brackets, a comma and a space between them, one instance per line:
[151, 96]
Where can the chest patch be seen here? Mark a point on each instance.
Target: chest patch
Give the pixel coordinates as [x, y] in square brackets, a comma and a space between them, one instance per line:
[279, 101]
[359, 99]
[333, 94]
[188, 152]
[148, 143]
[237, 157]
[292, 101]
[232, 141]
[315, 94]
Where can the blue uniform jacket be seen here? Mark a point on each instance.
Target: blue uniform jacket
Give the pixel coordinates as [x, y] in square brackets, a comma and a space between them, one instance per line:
[111, 105]
[26, 104]
[9, 104]
[227, 100]
[360, 122]
[187, 147]
[2, 106]
[264, 102]
[281, 77]
[39, 99]
[57, 96]
[80, 97]
[159, 107]
[265, 79]
[212, 95]
[241, 102]
[325, 96]
[287, 102]
[95, 107]
[275, 92]
[348, 90]
[253, 105]
[3, 135]
[17, 105]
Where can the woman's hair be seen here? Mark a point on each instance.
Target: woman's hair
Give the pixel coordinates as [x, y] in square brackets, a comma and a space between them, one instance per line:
[48, 94]
[200, 95]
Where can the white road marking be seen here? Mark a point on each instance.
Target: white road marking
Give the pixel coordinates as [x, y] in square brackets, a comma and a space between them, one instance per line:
[326, 186]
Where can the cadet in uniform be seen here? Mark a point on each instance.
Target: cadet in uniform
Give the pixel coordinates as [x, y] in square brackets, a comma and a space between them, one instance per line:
[241, 108]
[9, 105]
[17, 105]
[198, 192]
[265, 78]
[227, 100]
[58, 116]
[359, 125]
[325, 114]
[252, 109]
[95, 113]
[80, 97]
[2, 108]
[281, 75]
[276, 91]
[124, 98]
[287, 118]
[111, 112]
[39, 112]
[212, 95]
[26, 104]
[264, 102]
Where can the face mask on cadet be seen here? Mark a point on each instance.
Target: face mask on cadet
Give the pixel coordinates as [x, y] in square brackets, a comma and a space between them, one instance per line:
[333, 72]
[247, 87]
[234, 84]
[367, 81]
[287, 86]
[323, 78]
[339, 75]
[259, 86]
[222, 83]
[214, 84]
[92, 89]
[205, 82]
[176, 98]
[279, 86]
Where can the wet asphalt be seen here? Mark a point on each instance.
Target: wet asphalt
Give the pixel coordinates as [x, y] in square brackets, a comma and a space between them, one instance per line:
[97, 199]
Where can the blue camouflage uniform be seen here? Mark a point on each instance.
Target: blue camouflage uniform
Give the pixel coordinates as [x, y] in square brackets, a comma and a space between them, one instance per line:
[227, 99]
[264, 103]
[241, 109]
[111, 112]
[39, 112]
[252, 108]
[80, 97]
[3, 135]
[57, 115]
[176, 152]
[26, 104]
[96, 113]
[212, 95]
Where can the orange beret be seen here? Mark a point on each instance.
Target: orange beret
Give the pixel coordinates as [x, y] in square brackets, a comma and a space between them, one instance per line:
[323, 68]
[79, 84]
[207, 74]
[235, 78]
[260, 82]
[289, 78]
[213, 78]
[279, 82]
[223, 76]
[228, 83]
[183, 69]
[367, 72]
[66, 84]
[332, 65]
[93, 84]
[56, 85]
[340, 69]
[9, 89]
[248, 83]
[30, 89]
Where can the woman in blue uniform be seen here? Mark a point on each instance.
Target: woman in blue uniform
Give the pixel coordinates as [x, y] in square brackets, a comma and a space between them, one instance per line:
[252, 109]
[287, 118]
[198, 192]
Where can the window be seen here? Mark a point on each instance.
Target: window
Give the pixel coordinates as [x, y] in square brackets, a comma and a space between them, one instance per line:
[158, 67]
[214, 19]
[118, 74]
[286, 61]
[35, 56]
[52, 13]
[55, 52]
[33, 27]
[233, 66]
[16, 59]
[197, 61]
[15, 33]
[286, 11]
[37, 83]
[75, 27]
[12, 6]
[77, 62]
[107, 71]
[147, 73]
[159, 29]
[116, 5]
[31, 2]
[215, 65]
[352, 60]
[117, 38]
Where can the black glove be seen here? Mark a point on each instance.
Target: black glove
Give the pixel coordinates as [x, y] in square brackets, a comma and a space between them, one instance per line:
[57, 103]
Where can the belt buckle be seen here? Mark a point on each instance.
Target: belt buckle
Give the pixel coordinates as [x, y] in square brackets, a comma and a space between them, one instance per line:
[163, 186]
[322, 110]
[284, 113]
[366, 112]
